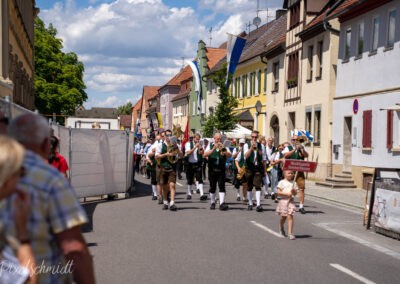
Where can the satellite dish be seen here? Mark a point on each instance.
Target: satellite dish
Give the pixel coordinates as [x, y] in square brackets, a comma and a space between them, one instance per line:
[256, 21]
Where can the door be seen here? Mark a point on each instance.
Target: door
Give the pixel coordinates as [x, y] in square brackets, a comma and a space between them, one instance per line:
[347, 144]
[274, 129]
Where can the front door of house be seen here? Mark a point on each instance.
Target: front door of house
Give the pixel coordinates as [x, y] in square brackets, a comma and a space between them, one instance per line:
[274, 130]
[347, 144]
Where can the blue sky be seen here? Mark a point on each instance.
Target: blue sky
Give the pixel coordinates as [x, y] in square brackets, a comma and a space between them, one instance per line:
[126, 44]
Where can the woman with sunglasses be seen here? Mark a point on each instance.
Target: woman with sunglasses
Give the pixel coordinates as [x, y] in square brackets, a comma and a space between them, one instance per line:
[16, 254]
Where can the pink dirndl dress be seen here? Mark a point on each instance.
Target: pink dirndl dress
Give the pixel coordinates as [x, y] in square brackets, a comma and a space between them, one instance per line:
[286, 207]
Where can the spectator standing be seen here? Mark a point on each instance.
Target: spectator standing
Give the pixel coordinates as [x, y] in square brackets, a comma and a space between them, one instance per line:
[55, 223]
[56, 159]
[11, 158]
[136, 151]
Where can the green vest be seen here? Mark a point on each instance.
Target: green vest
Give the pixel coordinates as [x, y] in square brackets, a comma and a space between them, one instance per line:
[242, 161]
[250, 160]
[296, 155]
[216, 160]
[164, 161]
[149, 167]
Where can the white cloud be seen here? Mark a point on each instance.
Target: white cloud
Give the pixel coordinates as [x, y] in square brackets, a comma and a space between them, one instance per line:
[125, 44]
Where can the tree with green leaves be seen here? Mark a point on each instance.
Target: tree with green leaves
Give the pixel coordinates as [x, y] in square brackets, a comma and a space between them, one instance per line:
[59, 86]
[125, 109]
[223, 119]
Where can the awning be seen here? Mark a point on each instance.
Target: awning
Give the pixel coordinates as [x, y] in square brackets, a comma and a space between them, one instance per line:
[238, 132]
[245, 116]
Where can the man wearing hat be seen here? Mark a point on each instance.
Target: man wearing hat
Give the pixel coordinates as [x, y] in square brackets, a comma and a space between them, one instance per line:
[253, 155]
[217, 155]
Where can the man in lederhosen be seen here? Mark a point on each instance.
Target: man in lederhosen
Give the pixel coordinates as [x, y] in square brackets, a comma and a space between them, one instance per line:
[296, 151]
[195, 152]
[168, 152]
[217, 154]
[159, 140]
[254, 170]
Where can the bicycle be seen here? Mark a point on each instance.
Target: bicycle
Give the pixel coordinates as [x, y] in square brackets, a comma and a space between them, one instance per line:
[380, 210]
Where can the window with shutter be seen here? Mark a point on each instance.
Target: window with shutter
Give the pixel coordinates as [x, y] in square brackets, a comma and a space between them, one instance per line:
[367, 125]
[389, 130]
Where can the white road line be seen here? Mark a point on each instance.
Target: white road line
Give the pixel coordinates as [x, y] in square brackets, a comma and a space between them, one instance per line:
[351, 273]
[376, 247]
[179, 184]
[267, 229]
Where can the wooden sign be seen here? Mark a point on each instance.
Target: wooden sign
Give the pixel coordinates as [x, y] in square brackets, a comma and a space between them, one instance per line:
[299, 165]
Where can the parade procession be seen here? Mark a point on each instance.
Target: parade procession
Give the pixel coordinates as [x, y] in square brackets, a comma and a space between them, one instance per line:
[243, 163]
[209, 141]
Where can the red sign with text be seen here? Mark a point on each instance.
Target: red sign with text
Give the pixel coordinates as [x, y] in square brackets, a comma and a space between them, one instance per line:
[299, 166]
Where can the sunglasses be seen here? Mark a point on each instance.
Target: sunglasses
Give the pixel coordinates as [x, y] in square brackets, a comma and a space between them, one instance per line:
[168, 135]
[254, 136]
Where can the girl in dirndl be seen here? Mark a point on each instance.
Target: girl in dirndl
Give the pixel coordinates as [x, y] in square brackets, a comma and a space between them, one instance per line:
[286, 206]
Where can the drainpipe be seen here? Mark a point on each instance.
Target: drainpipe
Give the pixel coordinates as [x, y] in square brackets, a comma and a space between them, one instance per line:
[328, 26]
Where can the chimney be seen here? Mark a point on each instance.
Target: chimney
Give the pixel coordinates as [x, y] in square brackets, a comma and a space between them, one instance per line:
[279, 13]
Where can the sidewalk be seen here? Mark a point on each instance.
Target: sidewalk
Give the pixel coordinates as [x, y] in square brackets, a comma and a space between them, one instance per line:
[350, 197]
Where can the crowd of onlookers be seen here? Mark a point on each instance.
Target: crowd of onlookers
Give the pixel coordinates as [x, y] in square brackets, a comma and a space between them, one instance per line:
[40, 215]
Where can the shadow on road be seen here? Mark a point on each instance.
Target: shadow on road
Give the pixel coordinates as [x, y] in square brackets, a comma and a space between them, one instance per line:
[303, 236]
[141, 189]
[89, 207]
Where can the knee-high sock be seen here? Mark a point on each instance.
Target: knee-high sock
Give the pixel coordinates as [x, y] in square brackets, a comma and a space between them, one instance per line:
[154, 188]
[258, 197]
[189, 190]
[197, 184]
[200, 186]
[221, 197]
[212, 197]
[250, 197]
[265, 186]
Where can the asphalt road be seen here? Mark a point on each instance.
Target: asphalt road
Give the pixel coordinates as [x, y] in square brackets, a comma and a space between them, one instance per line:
[134, 241]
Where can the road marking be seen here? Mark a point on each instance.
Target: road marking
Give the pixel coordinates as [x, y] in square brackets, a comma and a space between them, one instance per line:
[267, 229]
[376, 247]
[179, 184]
[351, 273]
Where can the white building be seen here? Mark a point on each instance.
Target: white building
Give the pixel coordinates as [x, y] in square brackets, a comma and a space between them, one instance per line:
[103, 118]
[366, 111]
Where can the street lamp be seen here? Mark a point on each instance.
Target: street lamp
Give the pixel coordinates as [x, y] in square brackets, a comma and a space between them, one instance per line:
[258, 108]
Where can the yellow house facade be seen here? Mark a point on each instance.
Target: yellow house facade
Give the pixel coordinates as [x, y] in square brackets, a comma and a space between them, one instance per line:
[250, 81]
[248, 88]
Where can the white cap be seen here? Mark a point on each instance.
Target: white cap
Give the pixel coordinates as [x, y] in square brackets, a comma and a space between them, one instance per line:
[241, 140]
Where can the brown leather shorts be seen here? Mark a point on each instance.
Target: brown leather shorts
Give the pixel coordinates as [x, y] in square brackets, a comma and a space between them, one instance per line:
[167, 175]
[301, 180]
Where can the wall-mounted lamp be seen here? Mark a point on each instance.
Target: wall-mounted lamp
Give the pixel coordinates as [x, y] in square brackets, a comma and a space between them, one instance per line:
[258, 108]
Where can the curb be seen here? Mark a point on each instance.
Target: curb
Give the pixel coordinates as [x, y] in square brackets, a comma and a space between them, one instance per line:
[335, 201]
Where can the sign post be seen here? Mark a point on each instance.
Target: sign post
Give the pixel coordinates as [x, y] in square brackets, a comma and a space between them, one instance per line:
[299, 166]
